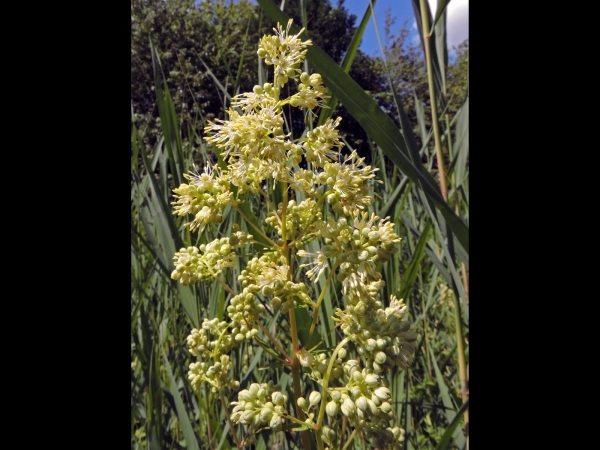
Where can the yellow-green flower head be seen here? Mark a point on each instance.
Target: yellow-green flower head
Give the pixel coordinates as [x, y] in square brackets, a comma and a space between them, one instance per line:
[256, 100]
[213, 362]
[193, 263]
[259, 405]
[254, 145]
[299, 218]
[319, 264]
[283, 51]
[311, 92]
[320, 142]
[305, 181]
[348, 181]
[205, 198]
[248, 134]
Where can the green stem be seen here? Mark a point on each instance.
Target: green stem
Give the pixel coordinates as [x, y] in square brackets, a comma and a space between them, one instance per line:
[274, 341]
[237, 441]
[254, 226]
[462, 364]
[432, 99]
[293, 419]
[295, 365]
[326, 384]
[321, 297]
[350, 439]
[227, 288]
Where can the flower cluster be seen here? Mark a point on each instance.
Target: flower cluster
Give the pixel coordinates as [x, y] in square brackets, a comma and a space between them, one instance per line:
[193, 264]
[285, 52]
[259, 405]
[352, 241]
[205, 198]
[214, 364]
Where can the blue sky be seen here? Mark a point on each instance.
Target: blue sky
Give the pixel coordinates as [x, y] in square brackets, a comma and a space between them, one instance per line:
[458, 20]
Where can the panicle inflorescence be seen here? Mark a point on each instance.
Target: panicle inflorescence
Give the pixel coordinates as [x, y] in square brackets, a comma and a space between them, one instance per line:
[258, 151]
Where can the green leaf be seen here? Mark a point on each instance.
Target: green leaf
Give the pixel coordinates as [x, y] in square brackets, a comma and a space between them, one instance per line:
[441, 7]
[303, 321]
[168, 119]
[450, 408]
[445, 440]
[408, 280]
[182, 415]
[347, 61]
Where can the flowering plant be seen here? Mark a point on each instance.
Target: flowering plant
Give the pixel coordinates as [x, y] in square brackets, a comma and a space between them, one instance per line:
[348, 383]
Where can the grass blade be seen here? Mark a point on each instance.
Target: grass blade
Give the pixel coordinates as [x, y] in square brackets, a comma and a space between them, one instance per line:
[459, 437]
[445, 440]
[184, 420]
[347, 61]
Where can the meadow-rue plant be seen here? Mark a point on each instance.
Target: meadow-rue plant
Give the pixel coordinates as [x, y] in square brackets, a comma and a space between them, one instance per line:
[351, 242]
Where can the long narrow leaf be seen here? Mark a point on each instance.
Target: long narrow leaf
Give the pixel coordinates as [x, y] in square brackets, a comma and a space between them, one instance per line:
[347, 61]
[449, 411]
[186, 426]
[445, 440]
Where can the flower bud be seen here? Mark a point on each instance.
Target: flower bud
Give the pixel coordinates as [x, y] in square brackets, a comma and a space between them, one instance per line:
[275, 422]
[372, 379]
[372, 406]
[332, 409]
[278, 398]
[248, 416]
[410, 336]
[348, 407]
[314, 398]
[385, 407]
[301, 402]
[380, 358]
[266, 414]
[383, 393]
[305, 358]
[361, 403]
[267, 291]
[254, 388]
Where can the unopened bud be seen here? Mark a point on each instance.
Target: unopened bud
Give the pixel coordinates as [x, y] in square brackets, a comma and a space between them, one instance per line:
[332, 409]
[314, 398]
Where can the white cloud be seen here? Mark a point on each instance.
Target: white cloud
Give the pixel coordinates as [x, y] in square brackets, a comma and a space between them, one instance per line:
[457, 21]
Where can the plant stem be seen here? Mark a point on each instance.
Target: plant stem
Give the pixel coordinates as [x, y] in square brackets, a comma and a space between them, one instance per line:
[295, 365]
[462, 365]
[254, 226]
[237, 441]
[432, 99]
[344, 421]
[274, 341]
[227, 288]
[350, 439]
[321, 297]
[326, 384]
